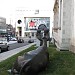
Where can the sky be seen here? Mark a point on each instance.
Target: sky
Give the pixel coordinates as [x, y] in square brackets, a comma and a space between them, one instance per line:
[8, 7]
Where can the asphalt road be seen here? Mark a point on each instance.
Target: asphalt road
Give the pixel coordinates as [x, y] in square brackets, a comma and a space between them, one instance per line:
[17, 45]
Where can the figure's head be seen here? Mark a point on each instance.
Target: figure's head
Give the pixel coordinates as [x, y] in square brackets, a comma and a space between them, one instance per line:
[40, 36]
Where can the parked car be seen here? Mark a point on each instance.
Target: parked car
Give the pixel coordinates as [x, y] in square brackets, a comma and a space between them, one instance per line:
[30, 41]
[20, 40]
[3, 45]
[13, 39]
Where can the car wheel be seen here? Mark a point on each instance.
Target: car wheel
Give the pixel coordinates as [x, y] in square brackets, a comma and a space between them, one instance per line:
[8, 48]
[0, 50]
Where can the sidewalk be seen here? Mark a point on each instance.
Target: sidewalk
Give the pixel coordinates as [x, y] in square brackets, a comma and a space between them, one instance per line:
[10, 53]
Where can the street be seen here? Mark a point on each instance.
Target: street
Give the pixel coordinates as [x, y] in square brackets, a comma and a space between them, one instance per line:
[14, 44]
[17, 45]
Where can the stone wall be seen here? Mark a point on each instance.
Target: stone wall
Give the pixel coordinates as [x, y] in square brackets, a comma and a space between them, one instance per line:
[72, 42]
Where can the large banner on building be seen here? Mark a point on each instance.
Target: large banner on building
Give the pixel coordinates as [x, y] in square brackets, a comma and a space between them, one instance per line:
[32, 23]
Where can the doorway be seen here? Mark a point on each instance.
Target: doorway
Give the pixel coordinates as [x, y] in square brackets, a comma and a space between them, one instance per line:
[20, 31]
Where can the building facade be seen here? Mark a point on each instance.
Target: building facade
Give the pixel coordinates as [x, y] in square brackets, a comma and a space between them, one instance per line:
[72, 42]
[62, 24]
[10, 31]
[28, 21]
[2, 26]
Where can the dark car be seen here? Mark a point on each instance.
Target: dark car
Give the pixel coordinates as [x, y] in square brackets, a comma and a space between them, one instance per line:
[20, 41]
[30, 41]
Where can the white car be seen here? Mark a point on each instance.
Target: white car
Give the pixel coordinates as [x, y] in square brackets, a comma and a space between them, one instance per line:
[3, 45]
[13, 39]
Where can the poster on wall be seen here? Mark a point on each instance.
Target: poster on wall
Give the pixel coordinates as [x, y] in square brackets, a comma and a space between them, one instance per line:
[32, 23]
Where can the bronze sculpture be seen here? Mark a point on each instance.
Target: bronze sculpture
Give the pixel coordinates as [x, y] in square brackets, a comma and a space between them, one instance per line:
[33, 61]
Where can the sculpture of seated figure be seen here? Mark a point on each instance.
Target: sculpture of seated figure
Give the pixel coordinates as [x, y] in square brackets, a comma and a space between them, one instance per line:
[32, 62]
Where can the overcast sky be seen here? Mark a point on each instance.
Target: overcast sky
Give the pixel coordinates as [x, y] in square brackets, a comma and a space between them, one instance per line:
[8, 7]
